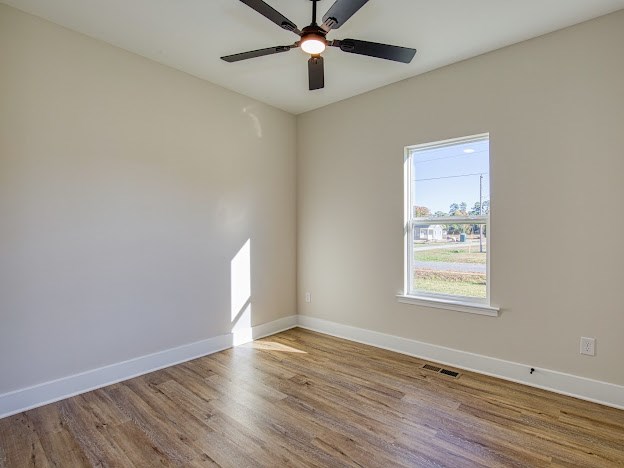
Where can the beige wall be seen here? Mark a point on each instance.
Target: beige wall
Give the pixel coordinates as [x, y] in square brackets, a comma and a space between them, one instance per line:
[554, 107]
[126, 188]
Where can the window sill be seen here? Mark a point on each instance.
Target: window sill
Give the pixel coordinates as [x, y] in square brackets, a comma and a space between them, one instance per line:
[448, 304]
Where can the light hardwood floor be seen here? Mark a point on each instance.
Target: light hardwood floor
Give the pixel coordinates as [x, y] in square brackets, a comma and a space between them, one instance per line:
[305, 399]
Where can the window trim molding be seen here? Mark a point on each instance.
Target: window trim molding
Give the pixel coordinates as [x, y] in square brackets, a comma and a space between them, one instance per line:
[448, 303]
[460, 303]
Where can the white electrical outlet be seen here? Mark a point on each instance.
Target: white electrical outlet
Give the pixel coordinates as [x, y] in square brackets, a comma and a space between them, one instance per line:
[588, 346]
[308, 297]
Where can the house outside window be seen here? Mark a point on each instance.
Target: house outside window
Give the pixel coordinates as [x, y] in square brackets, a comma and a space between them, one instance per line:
[447, 207]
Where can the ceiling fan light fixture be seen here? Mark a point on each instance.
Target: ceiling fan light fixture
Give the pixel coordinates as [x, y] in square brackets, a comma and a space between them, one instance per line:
[312, 38]
[313, 44]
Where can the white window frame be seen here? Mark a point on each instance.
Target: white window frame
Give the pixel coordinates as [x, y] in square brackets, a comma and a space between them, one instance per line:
[476, 305]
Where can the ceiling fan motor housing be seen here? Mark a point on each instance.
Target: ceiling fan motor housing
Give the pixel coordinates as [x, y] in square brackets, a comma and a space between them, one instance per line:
[313, 32]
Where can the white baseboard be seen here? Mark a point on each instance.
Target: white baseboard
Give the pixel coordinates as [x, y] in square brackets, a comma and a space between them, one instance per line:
[566, 384]
[48, 392]
[276, 326]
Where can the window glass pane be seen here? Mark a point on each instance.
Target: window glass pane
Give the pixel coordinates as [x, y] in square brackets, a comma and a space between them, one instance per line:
[451, 180]
[454, 265]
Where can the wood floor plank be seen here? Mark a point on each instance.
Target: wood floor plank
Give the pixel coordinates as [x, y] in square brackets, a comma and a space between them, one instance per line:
[90, 435]
[20, 443]
[137, 446]
[288, 434]
[168, 437]
[192, 382]
[47, 419]
[62, 450]
[182, 396]
[302, 399]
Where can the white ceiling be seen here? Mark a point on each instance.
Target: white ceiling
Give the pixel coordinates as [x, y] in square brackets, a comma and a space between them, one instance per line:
[191, 35]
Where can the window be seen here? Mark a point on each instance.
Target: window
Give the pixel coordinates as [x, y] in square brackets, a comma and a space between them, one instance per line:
[447, 211]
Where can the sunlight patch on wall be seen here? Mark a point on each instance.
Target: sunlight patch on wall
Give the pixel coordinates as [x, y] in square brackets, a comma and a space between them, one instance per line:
[240, 269]
[241, 329]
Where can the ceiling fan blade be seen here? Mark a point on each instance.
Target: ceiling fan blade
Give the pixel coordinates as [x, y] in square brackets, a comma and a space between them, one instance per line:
[316, 72]
[373, 49]
[272, 14]
[256, 53]
[340, 12]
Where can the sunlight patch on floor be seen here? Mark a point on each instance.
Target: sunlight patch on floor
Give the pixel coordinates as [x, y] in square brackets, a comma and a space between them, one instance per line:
[272, 346]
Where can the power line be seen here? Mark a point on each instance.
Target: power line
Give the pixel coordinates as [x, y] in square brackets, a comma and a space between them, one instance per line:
[453, 176]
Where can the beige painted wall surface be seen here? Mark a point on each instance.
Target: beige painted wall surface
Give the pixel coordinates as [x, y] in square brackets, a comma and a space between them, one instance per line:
[554, 107]
[126, 189]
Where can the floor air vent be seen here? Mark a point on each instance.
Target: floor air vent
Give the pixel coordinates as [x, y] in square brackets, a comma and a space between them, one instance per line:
[432, 368]
[439, 370]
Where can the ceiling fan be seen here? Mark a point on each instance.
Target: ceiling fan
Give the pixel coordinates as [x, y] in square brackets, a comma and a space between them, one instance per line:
[313, 38]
